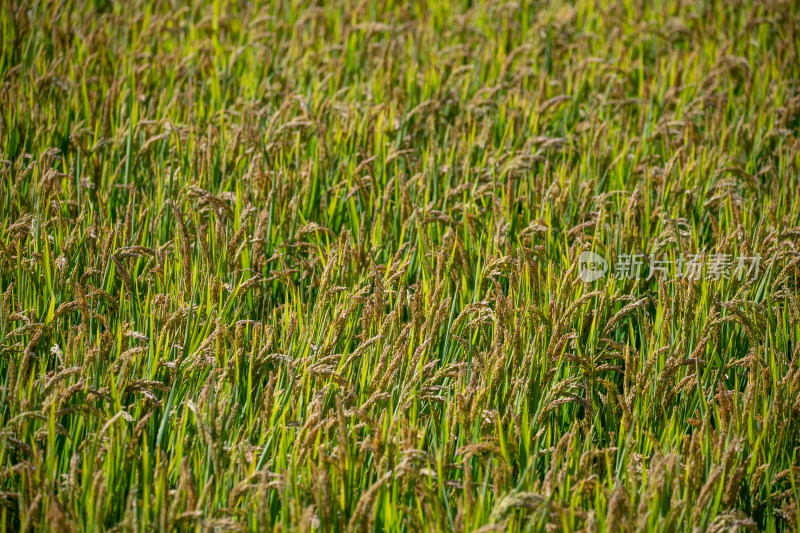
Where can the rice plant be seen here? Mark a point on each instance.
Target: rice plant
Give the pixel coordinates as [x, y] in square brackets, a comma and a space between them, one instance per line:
[399, 266]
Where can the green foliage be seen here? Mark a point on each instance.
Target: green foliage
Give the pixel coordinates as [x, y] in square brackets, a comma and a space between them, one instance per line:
[297, 267]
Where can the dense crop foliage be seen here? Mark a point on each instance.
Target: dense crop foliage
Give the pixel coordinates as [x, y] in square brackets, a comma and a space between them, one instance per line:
[305, 267]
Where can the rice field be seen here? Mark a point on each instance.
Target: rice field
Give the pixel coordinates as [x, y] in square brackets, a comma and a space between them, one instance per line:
[399, 266]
